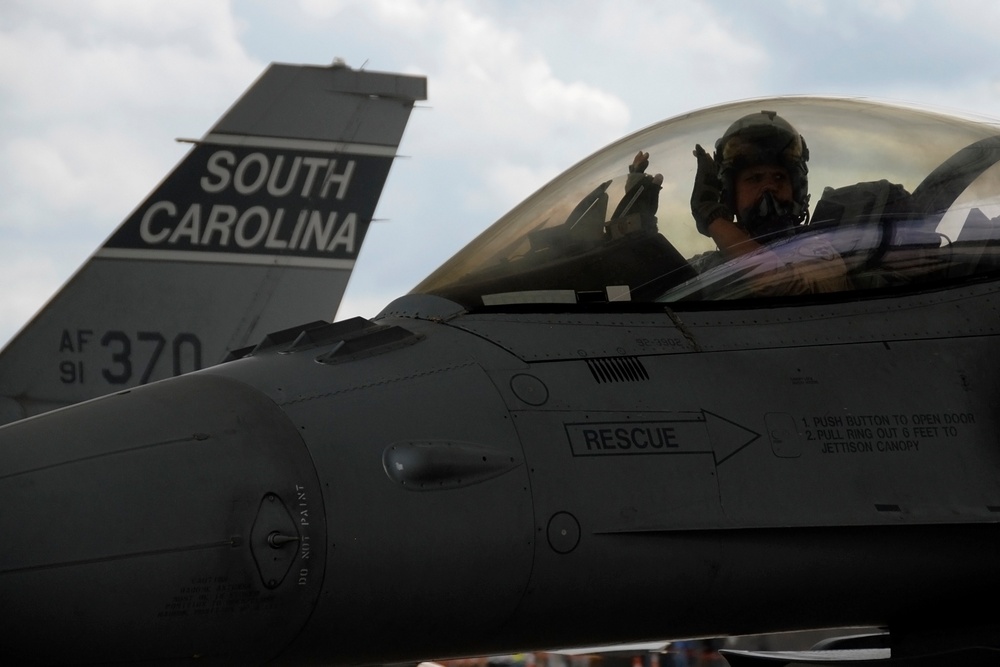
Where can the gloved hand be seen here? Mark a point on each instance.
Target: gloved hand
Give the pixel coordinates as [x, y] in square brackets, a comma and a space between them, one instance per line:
[643, 194]
[639, 163]
[706, 205]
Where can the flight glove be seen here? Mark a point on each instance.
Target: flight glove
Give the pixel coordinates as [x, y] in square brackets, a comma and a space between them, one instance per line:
[705, 198]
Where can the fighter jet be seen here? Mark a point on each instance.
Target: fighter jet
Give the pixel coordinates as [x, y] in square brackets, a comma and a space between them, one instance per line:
[257, 228]
[600, 422]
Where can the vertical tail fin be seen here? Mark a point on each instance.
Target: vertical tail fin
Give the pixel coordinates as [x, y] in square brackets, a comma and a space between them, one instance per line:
[256, 229]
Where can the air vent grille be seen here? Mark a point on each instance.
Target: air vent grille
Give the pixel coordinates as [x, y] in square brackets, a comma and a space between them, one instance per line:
[617, 369]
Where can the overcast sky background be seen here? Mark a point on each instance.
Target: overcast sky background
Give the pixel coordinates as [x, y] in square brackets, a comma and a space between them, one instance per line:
[93, 94]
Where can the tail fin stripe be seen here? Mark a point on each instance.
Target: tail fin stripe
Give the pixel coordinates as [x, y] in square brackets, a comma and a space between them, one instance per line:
[224, 258]
[255, 141]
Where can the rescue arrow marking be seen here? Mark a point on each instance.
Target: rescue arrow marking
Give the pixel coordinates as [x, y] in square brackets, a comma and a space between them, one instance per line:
[676, 433]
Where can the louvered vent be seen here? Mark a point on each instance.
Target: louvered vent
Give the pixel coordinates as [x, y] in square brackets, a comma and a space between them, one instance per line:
[617, 369]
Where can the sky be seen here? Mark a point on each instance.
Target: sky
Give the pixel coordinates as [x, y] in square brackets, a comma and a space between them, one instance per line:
[94, 93]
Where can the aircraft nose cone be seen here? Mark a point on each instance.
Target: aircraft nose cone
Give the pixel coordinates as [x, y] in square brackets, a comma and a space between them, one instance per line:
[158, 523]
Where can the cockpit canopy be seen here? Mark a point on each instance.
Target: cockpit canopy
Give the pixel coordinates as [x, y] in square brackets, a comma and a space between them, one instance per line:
[900, 199]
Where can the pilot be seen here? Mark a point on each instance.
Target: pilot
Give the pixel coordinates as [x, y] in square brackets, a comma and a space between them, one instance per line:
[754, 191]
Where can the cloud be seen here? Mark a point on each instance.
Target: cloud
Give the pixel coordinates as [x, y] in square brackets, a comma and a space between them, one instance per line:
[92, 93]
[91, 96]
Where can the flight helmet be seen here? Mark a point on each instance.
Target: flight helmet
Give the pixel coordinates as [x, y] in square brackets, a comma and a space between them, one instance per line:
[764, 138]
